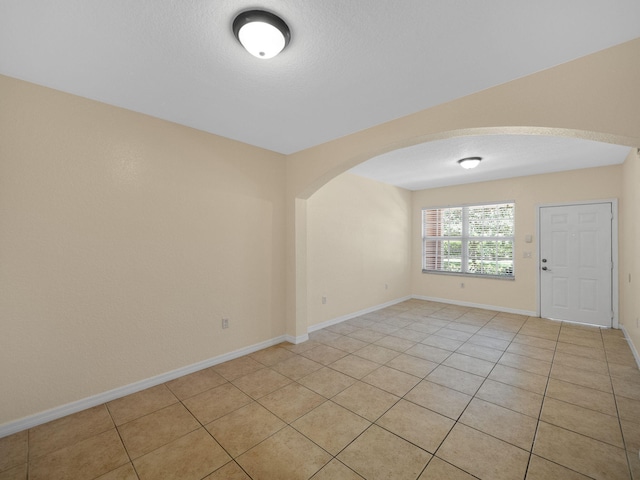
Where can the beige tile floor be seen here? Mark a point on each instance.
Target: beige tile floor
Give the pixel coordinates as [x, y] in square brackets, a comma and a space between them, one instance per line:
[420, 390]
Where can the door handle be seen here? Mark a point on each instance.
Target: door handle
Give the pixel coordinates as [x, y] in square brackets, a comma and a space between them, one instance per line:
[544, 268]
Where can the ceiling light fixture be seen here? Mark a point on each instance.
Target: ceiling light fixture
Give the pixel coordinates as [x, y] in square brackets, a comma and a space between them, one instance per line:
[262, 34]
[469, 162]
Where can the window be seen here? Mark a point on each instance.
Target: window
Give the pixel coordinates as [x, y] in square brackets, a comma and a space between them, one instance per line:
[469, 240]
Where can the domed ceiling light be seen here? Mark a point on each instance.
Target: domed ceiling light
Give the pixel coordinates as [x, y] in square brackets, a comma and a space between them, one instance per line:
[469, 162]
[262, 34]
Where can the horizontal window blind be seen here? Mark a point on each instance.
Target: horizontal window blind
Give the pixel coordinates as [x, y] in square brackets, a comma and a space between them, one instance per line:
[469, 239]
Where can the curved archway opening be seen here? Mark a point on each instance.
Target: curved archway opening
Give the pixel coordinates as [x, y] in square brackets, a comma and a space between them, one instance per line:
[382, 279]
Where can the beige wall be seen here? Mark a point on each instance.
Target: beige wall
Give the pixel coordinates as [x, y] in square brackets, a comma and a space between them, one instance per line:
[594, 97]
[123, 241]
[359, 239]
[629, 241]
[528, 193]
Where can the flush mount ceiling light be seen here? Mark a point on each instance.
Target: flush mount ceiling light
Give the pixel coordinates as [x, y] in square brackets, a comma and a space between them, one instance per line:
[262, 34]
[469, 162]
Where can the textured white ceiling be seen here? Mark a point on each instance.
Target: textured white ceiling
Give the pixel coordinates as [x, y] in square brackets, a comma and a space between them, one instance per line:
[435, 164]
[351, 64]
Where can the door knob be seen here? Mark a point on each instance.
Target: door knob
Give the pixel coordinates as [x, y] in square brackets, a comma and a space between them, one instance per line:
[544, 268]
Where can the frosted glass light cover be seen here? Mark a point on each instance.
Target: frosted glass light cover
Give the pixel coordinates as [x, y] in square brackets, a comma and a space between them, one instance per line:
[261, 39]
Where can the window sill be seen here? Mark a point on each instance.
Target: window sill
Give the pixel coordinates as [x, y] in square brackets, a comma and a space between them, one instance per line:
[471, 275]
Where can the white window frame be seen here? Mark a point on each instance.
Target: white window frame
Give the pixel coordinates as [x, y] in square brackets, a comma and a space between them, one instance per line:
[465, 238]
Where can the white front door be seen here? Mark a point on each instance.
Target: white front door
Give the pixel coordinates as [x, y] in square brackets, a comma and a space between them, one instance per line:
[576, 265]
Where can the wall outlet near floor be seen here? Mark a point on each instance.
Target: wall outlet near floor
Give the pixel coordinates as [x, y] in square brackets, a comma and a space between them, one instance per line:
[386, 286]
[324, 300]
[461, 285]
[225, 323]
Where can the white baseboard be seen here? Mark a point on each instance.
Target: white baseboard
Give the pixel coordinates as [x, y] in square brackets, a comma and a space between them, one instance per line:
[349, 316]
[528, 313]
[631, 345]
[296, 340]
[77, 406]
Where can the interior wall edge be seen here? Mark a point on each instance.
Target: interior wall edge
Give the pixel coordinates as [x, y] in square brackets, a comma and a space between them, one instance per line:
[364, 311]
[55, 413]
[632, 346]
[528, 313]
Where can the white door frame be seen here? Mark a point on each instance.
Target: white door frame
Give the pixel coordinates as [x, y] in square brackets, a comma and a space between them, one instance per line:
[614, 251]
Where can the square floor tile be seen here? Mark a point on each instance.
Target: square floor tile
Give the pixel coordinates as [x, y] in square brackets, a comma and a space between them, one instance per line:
[244, 428]
[519, 378]
[443, 343]
[287, 454]
[581, 363]
[535, 341]
[581, 351]
[68, 430]
[542, 469]
[483, 455]
[443, 400]
[581, 377]
[440, 470]
[336, 470]
[377, 354]
[13, 450]
[238, 367]
[147, 433]
[366, 400]
[528, 364]
[410, 334]
[296, 367]
[231, 471]
[141, 403]
[456, 379]
[529, 351]
[491, 342]
[427, 352]
[347, 344]
[291, 402]
[602, 402]
[396, 343]
[366, 335]
[261, 382]
[626, 388]
[379, 454]
[629, 409]
[508, 425]
[415, 366]
[391, 380]
[19, 472]
[217, 402]
[324, 354]
[469, 364]
[191, 457]
[272, 355]
[583, 454]
[514, 398]
[81, 460]
[354, 366]
[478, 351]
[331, 426]
[125, 472]
[197, 382]
[418, 425]
[327, 382]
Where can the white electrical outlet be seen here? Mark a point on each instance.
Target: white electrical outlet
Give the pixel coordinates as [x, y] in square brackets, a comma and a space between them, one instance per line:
[461, 285]
[225, 323]
[324, 300]
[386, 286]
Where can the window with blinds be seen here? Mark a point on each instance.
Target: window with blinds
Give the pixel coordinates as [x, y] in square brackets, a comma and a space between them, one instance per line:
[469, 240]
